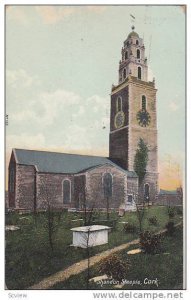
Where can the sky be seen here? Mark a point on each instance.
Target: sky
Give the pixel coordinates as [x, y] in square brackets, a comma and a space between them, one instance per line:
[61, 62]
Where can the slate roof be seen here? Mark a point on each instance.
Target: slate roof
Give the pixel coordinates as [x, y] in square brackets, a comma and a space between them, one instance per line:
[54, 162]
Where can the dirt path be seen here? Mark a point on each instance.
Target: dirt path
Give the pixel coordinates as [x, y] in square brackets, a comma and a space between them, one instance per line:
[81, 266]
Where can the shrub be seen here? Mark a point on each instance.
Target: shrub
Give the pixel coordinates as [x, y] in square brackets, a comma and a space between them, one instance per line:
[179, 211]
[171, 212]
[129, 228]
[150, 243]
[113, 267]
[153, 220]
[12, 218]
[170, 228]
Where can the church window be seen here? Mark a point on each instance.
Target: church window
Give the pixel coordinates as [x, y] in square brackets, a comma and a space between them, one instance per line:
[119, 104]
[138, 53]
[66, 191]
[144, 102]
[139, 72]
[126, 55]
[107, 185]
[137, 42]
[12, 180]
[124, 73]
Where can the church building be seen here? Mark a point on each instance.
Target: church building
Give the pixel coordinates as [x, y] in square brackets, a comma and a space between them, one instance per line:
[41, 178]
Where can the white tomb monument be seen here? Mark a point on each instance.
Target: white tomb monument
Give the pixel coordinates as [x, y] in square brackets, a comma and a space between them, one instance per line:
[90, 236]
[129, 205]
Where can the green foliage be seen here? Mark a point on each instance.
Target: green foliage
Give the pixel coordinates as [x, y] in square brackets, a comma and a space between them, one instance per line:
[141, 160]
[129, 228]
[31, 242]
[52, 223]
[179, 211]
[171, 211]
[170, 228]
[168, 269]
[12, 218]
[114, 267]
[149, 242]
[153, 220]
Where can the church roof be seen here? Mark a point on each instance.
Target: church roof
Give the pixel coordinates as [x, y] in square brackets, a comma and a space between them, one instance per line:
[54, 162]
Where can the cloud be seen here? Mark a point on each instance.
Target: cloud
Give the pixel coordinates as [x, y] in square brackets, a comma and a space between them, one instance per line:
[53, 14]
[45, 108]
[50, 14]
[76, 137]
[25, 141]
[52, 105]
[61, 117]
[173, 106]
[16, 13]
[20, 77]
[96, 8]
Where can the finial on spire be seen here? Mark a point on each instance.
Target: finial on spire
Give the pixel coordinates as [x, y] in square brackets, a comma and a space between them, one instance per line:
[133, 27]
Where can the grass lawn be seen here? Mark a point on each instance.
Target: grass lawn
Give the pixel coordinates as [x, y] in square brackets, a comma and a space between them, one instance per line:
[28, 255]
[166, 267]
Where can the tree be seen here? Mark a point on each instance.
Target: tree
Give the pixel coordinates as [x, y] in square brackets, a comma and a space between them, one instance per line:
[140, 215]
[88, 216]
[86, 239]
[47, 192]
[107, 182]
[141, 160]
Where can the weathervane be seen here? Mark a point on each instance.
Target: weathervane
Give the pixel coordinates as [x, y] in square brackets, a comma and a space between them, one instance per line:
[132, 21]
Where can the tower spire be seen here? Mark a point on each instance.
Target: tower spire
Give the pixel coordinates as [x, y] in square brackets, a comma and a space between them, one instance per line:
[133, 61]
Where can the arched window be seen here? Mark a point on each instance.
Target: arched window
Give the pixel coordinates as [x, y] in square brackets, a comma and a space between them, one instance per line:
[124, 73]
[126, 54]
[119, 104]
[144, 102]
[138, 53]
[66, 191]
[137, 42]
[107, 185]
[146, 192]
[139, 72]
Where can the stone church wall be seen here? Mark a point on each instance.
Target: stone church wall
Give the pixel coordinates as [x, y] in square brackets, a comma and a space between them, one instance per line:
[50, 189]
[95, 189]
[79, 191]
[152, 180]
[132, 186]
[25, 187]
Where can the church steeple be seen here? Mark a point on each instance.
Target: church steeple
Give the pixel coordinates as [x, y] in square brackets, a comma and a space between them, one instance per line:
[133, 61]
[134, 114]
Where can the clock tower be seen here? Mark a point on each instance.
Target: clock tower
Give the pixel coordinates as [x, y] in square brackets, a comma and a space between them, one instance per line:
[133, 114]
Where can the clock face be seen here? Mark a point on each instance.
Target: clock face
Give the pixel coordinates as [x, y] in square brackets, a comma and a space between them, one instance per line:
[143, 118]
[119, 119]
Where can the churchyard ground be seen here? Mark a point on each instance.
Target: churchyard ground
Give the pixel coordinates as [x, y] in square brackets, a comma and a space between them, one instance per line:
[147, 271]
[29, 258]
